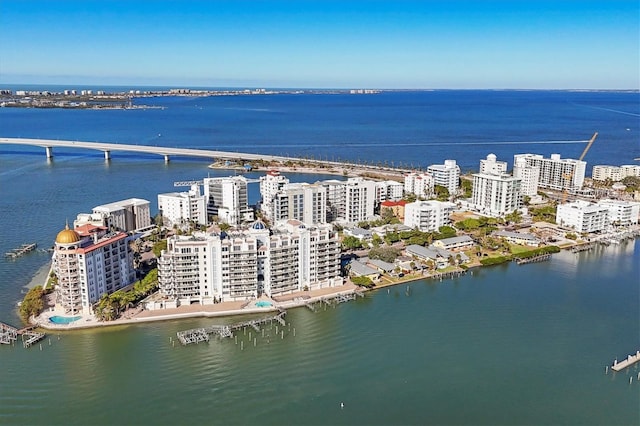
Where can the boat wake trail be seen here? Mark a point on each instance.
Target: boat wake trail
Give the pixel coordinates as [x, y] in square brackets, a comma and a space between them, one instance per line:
[617, 111]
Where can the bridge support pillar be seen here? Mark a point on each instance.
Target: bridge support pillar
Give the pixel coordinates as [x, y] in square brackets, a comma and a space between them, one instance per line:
[49, 151]
[166, 158]
[107, 155]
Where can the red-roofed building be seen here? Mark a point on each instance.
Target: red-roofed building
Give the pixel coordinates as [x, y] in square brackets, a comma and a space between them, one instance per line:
[396, 207]
[89, 262]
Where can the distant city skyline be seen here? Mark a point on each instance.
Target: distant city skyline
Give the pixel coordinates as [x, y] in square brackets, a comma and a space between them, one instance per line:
[457, 44]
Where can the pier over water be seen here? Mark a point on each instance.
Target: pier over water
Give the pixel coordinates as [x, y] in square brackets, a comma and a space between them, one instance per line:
[9, 334]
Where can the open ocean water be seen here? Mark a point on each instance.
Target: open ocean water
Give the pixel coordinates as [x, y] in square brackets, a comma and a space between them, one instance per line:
[508, 345]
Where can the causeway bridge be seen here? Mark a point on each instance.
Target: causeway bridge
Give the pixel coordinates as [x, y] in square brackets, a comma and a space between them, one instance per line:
[166, 152]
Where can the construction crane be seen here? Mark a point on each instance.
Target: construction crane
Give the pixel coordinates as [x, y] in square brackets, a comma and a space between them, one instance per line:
[569, 176]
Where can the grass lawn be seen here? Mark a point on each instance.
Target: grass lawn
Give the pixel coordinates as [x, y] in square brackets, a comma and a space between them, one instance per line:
[515, 248]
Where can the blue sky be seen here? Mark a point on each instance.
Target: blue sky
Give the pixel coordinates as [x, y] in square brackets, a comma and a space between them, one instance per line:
[559, 44]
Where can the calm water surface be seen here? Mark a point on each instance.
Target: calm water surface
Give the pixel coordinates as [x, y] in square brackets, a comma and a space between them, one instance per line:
[508, 345]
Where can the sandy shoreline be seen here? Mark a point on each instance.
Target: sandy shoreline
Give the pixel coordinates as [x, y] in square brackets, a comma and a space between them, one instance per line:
[41, 276]
[347, 170]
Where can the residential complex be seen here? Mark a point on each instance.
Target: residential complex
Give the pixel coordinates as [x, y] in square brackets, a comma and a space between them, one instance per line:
[447, 175]
[127, 215]
[270, 184]
[242, 265]
[388, 190]
[227, 199]
[180, 207]
[622, 213]
[428, 216]
[556, 173]
[490, 166]
[496, 195]
[583, 216]
[615, 173]
[529, 176]
[350, 201]
[90, 261]
[419, 184]
[300, 201]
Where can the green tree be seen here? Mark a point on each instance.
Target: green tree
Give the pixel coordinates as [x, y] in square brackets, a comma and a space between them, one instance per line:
[32, 304]
[362, 281]
[515, 217]
[386, 254]
[441, 192]
[468, 224]
[467, 188]
[445, 232]
[391, 237]
[632, 183]
[351, 243]
[410, 198]
[159, 246]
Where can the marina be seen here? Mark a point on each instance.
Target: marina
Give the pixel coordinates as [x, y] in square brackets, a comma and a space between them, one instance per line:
[203, 334]
[21, 251]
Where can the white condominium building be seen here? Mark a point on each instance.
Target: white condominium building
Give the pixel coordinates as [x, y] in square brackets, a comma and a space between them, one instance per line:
[615, 173]
[447, 175]
[491, 166]
[350, 201]
[528, 175]
[582, 216]
[207, 267]
[89, 262]
[622, 213]
[428, 215]
[420, 184]
[179, 207]
[388, 190]
[126, 215]
[496, 195]
[360, 197]
[300, 201]
[556, 173]
[227, 199]
[270, 184]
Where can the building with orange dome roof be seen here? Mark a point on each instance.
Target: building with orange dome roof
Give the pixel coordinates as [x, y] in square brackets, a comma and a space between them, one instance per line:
[89, 261]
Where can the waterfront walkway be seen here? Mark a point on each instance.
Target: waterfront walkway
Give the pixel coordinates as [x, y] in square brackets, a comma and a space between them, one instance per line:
[223, 309]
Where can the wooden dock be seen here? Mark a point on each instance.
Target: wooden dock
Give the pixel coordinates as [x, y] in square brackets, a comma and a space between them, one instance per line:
[446, 275]
[29, 337]
[630, 360]
[198, 335]
[333, 300]
[582, 247]
[9, 334]
[540, 258]
[22, 250]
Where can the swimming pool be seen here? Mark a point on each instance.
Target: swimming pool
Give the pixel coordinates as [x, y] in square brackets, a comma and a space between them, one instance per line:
[56, 319]
[263, 304]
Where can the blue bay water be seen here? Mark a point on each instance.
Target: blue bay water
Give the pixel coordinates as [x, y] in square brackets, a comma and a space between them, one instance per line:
[409, 128]
[508, 345]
